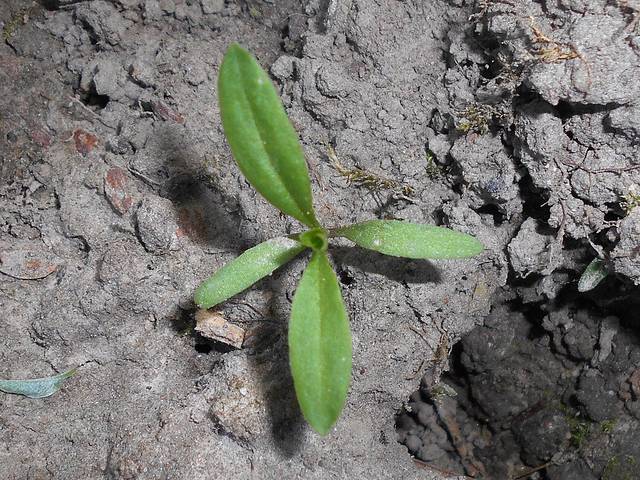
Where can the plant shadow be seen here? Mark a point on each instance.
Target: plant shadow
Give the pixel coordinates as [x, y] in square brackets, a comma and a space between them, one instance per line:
[402, 270]
[270, 354]
[212, 219]
[204, 212]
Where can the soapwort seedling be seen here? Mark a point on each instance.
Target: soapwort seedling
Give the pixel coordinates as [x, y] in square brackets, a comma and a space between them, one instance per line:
[266, 148]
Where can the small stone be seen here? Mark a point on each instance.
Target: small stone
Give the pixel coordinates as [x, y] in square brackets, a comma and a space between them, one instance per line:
[119, 146]
[283, 67]
[152, 10]
[41, 137]
[541, 435]
[108, 79]
[634, 382]
[575, 470]
[439, 146]
[413, 443]
[157, 225]
[164, 112]
[599, 401]
[212, 6]
[142, 73]
[136, 132]
[112, 270]
[167, 6]
[104, 20]
[430, 452]
[196, 74]
[84, 141]
[181, 12]
[238, 405]
[626, 256]
[331, 82]
[533, 252]
[116, 189]
[214, 326]
[579, 342]
[27, 263]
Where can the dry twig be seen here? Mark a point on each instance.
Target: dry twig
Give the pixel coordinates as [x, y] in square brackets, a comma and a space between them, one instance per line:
[362, 178]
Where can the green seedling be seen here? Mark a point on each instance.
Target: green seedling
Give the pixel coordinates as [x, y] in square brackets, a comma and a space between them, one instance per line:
[630, 201]
[266, 148]
[595, 272]
[36, 387]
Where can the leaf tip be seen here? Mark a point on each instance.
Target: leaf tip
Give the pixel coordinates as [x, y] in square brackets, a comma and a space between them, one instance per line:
[234, 47]
[322, 430]
[69, 373]
[321, 424]
[477, 247]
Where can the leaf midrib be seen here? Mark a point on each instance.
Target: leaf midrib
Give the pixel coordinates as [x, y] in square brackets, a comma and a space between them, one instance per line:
[268, 152]
[321, 291]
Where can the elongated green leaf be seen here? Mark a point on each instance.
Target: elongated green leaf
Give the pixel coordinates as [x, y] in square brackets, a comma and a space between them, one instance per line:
[263, 141]
[320, 345]
[36, 387]
[411, 240]
[595, 272]
[247, 269]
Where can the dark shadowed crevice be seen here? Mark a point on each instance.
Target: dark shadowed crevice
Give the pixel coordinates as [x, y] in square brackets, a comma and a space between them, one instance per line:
[546, 391]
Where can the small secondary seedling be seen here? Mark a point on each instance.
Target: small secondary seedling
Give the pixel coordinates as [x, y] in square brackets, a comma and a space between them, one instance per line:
[266, 148]
[36, 387]
[595, 272]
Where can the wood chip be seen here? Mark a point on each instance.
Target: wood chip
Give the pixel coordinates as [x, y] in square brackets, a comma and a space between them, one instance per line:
[213, 325]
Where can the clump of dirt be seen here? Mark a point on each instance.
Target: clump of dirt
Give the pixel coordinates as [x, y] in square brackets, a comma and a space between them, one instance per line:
[547, 391]
[544, 389]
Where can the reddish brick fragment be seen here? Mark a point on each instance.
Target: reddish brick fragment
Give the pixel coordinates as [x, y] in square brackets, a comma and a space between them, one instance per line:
[85, 141]
[41, 137]
[163, 111]
[634, 382]
[27, 264]
[116, 189]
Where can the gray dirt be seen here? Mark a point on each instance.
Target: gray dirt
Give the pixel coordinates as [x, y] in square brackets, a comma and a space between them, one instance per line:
[508, 120]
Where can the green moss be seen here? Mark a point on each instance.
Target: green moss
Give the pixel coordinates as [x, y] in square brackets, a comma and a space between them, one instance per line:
[620, 467]
[433, 169]
[19, 18]
[630, 201]
[580, 430]
[606, 426]
[578, 427]
[255, 13]
[475, 118]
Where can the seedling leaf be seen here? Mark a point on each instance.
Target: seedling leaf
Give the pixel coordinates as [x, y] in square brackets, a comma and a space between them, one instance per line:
[411, 240]
[245, 270]
[595, 272]
[315, 239]
[320, 345]
[36, 387]
[263, 141]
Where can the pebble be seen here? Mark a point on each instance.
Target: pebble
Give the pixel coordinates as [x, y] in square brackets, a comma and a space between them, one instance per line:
[157, 225]
[117, 190]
